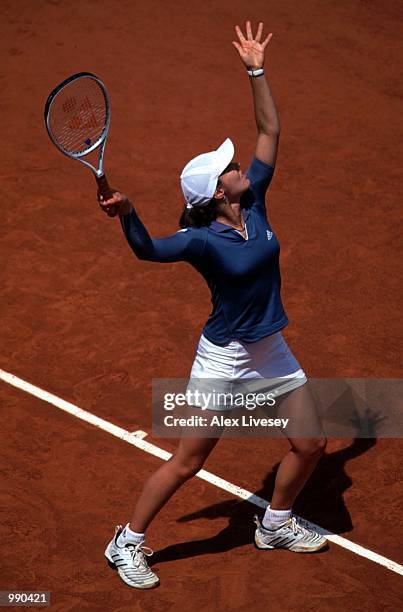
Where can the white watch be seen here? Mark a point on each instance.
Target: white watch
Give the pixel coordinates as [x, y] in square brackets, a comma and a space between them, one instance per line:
[255, 72]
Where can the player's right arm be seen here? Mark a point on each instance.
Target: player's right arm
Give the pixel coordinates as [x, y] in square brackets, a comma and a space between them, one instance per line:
[181, 246]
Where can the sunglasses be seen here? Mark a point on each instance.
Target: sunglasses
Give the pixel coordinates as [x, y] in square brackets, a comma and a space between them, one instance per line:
[232, 166]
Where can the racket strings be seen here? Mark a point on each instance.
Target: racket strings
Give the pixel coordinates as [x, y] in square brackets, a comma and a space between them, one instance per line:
[78, 115]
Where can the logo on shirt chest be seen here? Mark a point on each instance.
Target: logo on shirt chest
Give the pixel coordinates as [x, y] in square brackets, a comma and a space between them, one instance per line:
[269, 234]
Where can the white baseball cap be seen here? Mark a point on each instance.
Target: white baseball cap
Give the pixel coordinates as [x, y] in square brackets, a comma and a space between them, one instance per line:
[200, 176]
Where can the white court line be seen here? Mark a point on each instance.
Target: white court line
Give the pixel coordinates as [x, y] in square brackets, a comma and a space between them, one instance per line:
[136, 439]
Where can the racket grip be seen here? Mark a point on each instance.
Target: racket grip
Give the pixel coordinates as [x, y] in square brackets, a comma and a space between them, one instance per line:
[106, 192]
[103, 186]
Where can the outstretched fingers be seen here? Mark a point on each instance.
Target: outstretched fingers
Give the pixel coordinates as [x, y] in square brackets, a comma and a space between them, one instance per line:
[267, 40]
[249, 34]
[241, 37]
[249, 31]
[259, 32]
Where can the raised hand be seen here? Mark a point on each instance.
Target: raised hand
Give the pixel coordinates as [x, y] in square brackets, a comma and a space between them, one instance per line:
[251, 50]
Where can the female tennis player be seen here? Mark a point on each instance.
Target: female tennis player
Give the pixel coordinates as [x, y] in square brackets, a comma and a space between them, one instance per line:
[227, 237]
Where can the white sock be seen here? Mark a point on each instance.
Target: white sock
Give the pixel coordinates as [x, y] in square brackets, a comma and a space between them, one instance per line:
[128, 536]
[273, 519]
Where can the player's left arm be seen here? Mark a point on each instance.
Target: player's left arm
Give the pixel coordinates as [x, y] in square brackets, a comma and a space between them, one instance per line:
[252, 54]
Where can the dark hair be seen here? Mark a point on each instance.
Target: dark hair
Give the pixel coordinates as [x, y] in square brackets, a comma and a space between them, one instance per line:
[200, 216]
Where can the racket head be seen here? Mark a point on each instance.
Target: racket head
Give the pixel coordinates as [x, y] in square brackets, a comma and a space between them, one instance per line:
[77, 114]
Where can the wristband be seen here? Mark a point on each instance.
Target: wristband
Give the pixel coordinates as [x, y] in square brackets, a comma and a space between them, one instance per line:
[255, 72]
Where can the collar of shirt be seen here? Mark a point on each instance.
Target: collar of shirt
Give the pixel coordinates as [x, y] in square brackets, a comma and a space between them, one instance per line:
[223, 227]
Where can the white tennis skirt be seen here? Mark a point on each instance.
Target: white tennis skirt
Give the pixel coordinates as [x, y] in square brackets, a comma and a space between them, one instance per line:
[266, 364]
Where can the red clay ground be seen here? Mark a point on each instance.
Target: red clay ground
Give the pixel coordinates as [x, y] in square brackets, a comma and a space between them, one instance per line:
[82, 318]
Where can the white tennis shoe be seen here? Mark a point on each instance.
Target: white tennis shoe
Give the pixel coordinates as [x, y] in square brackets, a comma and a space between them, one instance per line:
[131, 563]
[292, 535]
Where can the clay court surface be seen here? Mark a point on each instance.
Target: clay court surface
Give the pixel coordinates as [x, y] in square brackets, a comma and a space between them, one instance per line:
[85, 320]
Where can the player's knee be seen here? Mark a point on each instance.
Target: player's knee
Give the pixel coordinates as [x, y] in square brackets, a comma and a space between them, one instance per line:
[309, 449]
[322, 443]
[189, 466]
[318, 446]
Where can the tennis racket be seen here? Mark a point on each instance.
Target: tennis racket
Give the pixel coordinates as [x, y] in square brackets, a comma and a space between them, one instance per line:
[77, 119]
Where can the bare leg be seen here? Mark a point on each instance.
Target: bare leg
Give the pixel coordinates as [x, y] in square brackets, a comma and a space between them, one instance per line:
[185, 463]
[300, 461]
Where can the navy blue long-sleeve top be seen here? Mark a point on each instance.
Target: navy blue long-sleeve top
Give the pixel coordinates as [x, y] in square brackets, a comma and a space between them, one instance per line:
[242, 274]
